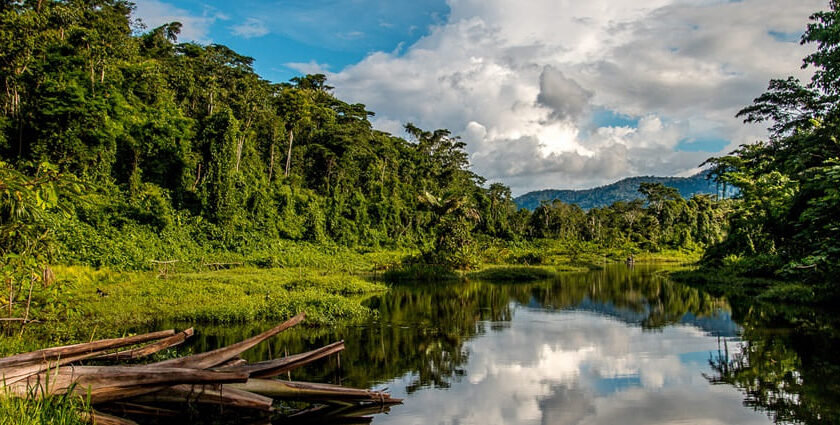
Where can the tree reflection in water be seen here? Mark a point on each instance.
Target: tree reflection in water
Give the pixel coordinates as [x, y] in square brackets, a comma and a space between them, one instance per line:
[789, 372]
[421, 332]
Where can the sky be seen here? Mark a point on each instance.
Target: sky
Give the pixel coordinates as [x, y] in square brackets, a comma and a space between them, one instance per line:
[559, 94]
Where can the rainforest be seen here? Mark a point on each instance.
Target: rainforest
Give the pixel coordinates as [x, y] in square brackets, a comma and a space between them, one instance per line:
[148, 183]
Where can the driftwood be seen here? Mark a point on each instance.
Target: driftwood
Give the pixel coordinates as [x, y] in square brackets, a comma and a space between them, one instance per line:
[96, 380]
[18, 367]
[219, 377]
[276, 367]
[217, 357]
[208, 394]
[312, 391]
[136, 353]
[85, 348]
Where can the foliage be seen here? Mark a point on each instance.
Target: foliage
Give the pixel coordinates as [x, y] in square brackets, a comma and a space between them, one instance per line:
[189, 153]
[788, 196]
[24, 237]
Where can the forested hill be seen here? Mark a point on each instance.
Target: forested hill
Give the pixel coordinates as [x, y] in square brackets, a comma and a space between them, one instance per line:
[622, 190]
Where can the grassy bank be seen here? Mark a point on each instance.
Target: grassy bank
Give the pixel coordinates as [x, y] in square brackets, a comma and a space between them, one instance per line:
[536, 259]
[755, 279]
[329, 283]
[106, 303]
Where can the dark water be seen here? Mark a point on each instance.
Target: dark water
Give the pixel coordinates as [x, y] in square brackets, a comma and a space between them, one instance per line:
[617, 346]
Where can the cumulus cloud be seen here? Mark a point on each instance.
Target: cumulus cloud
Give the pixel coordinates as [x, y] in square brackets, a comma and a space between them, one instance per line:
[564, 96]
[251, 28]
[196, 28]
[519, 82]
[311, 67]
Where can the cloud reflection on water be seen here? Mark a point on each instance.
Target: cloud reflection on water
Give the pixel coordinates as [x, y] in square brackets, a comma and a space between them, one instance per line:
[579, 367]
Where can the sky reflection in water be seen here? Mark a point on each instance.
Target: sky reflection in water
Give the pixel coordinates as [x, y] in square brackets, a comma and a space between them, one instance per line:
[580, 366]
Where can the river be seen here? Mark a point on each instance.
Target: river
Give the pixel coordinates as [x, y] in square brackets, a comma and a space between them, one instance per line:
[618, 345]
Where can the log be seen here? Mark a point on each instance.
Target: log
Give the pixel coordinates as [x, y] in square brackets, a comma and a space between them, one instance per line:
[106, 383]
[232, 363]
[50, 354]
[221, 355]
[271, 368]
[147, 350]
[18, 367]
[209, 394]
[312, 392]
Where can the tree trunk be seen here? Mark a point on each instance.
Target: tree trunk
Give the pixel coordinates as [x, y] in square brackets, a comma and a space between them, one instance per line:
[289, 153]
[271, 163]
[241, 142]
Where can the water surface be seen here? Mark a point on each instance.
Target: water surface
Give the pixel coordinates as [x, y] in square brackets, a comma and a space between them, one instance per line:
[619, 345]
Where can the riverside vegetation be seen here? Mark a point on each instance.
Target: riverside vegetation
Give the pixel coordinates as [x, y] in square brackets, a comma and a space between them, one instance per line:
[132, 167]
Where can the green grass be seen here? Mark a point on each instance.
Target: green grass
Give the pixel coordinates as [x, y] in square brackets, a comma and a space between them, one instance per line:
[513, 274]
[66, 409]
[236, 295]
[105, 303]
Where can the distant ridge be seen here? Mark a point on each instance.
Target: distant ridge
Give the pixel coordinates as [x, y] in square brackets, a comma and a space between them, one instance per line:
[622, 190]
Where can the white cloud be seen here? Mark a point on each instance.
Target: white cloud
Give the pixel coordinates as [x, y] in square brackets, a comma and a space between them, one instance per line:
[310, 67]
[251, 28]
[519, 80]
[559, 368]
[154, 13]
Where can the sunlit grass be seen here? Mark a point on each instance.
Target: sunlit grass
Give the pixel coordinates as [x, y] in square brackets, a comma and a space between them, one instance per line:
[67, 409]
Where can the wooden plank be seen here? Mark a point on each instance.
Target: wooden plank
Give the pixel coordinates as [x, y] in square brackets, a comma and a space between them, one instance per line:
[221, 355]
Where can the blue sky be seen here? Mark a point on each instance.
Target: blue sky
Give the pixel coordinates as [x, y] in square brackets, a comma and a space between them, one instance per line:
[281, 34]
[545, 93]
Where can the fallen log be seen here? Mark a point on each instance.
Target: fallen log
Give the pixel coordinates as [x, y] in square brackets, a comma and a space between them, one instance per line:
[209, 394]
[53, 353]
[308, 391]
[271, 368]
[147, 350]
[18, 367]
[102, 383]
[221, 355]
[237, 361]
[219, 377]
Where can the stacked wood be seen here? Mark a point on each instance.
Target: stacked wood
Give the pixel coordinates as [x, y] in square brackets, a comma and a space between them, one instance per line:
[215, 378]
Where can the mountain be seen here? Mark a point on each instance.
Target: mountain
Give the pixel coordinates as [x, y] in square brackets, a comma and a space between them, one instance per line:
[622, 190]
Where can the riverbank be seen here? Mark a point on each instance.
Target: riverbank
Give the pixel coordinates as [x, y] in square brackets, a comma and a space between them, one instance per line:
[328, 283]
